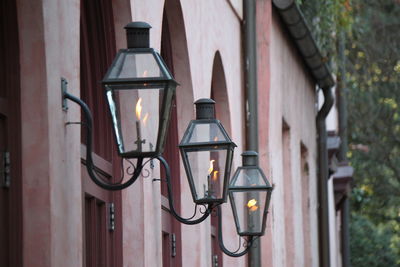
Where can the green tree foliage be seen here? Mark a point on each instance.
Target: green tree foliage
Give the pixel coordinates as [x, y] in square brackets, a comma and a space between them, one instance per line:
[371, 244]
[372, 63]
[373, 77]
[326, 18]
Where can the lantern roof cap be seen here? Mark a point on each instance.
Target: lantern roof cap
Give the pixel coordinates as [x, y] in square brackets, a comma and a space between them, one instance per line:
[249, 153]
[137, 25]
[205, 109]
[205, 101]
[249, 158]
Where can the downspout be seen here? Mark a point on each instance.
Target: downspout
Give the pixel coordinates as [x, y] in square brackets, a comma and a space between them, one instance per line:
[323, 176]
[301, 35]
[250, 59]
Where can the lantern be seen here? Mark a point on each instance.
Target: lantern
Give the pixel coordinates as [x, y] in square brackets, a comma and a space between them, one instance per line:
[139, 91]
[207, 152]
[250, 194]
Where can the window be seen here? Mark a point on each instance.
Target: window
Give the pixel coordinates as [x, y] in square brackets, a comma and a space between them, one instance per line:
[288, 193]
[103, 244]
[305, 182]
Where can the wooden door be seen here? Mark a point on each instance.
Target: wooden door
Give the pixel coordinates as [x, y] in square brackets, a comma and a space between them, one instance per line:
[10, 135]
[102, 208]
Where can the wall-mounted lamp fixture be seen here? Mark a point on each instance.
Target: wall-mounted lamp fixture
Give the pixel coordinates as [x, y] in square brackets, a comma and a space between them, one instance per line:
[139, 90]
[207, 153]
[250, 194]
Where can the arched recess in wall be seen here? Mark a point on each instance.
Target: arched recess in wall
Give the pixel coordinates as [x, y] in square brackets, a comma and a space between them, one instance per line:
[219, 93]
[180, 57]
[175, 54]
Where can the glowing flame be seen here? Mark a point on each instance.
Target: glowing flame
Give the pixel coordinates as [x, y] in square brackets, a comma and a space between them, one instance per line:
[139, 108]
[211, 166]
[252, 205]
[145, 119]
[215, 175]
[145, 73]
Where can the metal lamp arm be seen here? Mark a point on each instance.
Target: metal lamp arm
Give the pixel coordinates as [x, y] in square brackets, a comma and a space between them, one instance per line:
[89, 160]
[171, 199]
[221, 241]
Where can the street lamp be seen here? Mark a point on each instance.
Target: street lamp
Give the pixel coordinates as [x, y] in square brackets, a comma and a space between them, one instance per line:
[207, 153]
[139, 90]
[137, 84]
[250, 195]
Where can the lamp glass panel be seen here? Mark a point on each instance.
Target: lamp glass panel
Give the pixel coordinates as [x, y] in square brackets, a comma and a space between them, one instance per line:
[135, 65]
[206, 132]
[249, 206]
[135, 115]
[249, 177]
[208, 172]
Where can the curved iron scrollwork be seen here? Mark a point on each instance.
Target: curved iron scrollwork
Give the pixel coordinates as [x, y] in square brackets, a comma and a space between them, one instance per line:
[246, 245]
[135, 171]
[89, 160]
[205, 213]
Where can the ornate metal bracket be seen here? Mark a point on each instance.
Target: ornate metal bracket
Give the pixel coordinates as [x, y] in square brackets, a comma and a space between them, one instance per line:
[136, 173]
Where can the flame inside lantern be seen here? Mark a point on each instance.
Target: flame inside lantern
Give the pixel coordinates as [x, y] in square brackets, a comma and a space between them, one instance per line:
[251, 204]
[139, 108]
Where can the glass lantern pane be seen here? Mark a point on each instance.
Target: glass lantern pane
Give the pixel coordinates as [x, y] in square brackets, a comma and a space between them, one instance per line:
[135, 65]
[250, 177]
[208, 172]
[249, 208]
[206, 132]
[135, 115]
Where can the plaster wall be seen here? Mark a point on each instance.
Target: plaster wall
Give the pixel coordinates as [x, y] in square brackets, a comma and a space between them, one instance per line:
[264, 20]
[49, 40]
[293, 100]
[52, 198]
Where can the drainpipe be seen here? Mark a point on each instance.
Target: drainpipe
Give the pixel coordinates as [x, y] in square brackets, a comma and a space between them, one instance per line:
[302, 37]
[323, 176]
[250, 59]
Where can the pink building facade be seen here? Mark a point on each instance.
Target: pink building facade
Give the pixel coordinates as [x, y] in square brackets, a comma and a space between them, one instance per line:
[53, 215]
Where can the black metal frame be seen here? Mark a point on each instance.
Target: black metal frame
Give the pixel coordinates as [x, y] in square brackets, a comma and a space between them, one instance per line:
[225, 145]
[267, 188]
[168, 89]
[228, 164]
[221, 240]
[137, 171]
[167, 76]
[264, 212]
[138, 42]
[166, 83]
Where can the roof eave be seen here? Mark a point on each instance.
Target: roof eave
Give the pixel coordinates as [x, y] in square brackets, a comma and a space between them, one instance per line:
[301, 34]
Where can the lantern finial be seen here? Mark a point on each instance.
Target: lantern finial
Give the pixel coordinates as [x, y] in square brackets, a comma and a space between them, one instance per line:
[249, 158]
[137, 34]
[205, 109]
